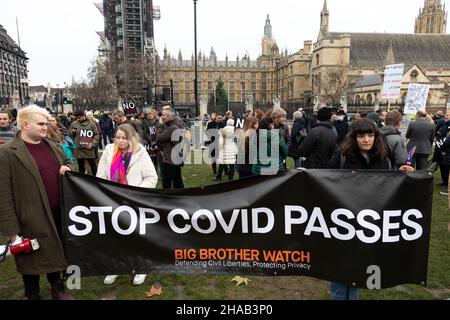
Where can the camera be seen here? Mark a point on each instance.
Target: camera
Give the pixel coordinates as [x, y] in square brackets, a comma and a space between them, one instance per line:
[21, 245]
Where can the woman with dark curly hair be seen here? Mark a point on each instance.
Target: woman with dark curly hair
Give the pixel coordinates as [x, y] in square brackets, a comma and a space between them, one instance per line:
[363, 149]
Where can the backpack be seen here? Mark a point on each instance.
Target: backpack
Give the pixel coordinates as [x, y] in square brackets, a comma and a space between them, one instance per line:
[390, 154]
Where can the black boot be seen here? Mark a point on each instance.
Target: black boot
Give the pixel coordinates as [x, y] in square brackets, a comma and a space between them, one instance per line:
[59, 293]
[36, 296]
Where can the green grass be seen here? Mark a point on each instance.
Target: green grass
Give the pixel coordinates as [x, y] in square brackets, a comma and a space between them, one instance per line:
[177, 287]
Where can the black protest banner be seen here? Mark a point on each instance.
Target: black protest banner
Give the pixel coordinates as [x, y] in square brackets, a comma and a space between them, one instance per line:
[357, 228]
[129, 108]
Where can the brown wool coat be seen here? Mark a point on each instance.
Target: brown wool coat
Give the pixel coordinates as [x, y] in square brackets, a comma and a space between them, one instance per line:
[25, 209]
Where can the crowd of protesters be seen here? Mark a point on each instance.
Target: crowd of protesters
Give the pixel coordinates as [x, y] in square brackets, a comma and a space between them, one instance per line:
[139, 151]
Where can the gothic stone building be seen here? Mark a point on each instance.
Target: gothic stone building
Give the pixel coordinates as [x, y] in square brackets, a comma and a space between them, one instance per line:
[360, 59]
[272, 74]
[340, 68]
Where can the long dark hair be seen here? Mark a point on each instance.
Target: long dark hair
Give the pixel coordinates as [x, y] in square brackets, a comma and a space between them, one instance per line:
[264, 123]
[350, 148]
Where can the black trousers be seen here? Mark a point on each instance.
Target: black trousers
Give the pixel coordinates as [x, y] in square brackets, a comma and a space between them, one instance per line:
[155, 163]
[106, 136]
[245, 174]
[421, 161]
[445, 170]
[31, 282]
[172, 178]
[225, 167]
[92, 164]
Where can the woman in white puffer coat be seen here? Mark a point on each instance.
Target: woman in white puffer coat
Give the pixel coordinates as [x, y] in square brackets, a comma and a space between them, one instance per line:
[227, 150]
[126, 161]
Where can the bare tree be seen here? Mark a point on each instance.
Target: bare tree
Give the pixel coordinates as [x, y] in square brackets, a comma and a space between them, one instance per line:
[333, 84]
[103, 83]
[100, 88]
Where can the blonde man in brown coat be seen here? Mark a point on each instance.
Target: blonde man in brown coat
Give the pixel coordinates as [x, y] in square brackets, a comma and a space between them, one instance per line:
[29, 190]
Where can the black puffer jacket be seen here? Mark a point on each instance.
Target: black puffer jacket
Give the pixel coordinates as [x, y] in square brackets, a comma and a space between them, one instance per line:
[359, 162]
[445, 152]
[106, 124]
[319, 146]
[298, 130]
[342, 128]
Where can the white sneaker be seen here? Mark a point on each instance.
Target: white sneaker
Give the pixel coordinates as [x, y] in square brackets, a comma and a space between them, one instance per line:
[139, 279]
[110, 279]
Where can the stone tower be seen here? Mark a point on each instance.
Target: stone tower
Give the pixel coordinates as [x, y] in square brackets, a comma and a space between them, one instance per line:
[432, 18]
[324, 21]
[267, 41]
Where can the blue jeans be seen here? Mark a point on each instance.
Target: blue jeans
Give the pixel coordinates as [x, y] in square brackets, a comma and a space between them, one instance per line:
[298, 162]
[343, 292]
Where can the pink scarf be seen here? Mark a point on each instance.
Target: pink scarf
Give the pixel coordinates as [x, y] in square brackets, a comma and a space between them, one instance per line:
[118, 172]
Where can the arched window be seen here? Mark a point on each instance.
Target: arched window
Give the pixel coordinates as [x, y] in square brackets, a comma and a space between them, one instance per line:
[358, 100]
[369, 100]
[317, 59]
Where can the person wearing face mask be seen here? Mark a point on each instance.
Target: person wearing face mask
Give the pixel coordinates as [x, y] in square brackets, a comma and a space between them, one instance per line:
[126, 161]
[342, 126]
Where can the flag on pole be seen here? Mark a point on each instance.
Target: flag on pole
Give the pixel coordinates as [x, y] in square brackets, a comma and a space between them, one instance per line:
[411, 156]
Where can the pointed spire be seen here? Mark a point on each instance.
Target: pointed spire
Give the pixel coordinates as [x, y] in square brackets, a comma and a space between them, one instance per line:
[165, 52]
[325, 7]
[180, 56]
[324, 21]
[390, 57]
[268, 28]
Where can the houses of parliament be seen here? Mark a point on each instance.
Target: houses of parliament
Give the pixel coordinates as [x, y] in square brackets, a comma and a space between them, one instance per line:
[342, 68]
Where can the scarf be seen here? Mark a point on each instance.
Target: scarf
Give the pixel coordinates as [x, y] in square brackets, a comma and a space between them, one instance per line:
[119, 165]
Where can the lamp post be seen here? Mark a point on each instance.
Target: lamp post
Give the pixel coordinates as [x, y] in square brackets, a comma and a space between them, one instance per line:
[58, 98]
[196, 63]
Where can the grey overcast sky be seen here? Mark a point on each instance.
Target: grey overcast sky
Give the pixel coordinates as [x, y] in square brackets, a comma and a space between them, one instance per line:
[60, 40]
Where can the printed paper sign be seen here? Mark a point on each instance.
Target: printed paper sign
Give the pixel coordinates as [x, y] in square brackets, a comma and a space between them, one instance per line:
[393, 76]
[417, 98]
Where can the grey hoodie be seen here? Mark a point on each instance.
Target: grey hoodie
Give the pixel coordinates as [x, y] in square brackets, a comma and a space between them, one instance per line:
[396, 145]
